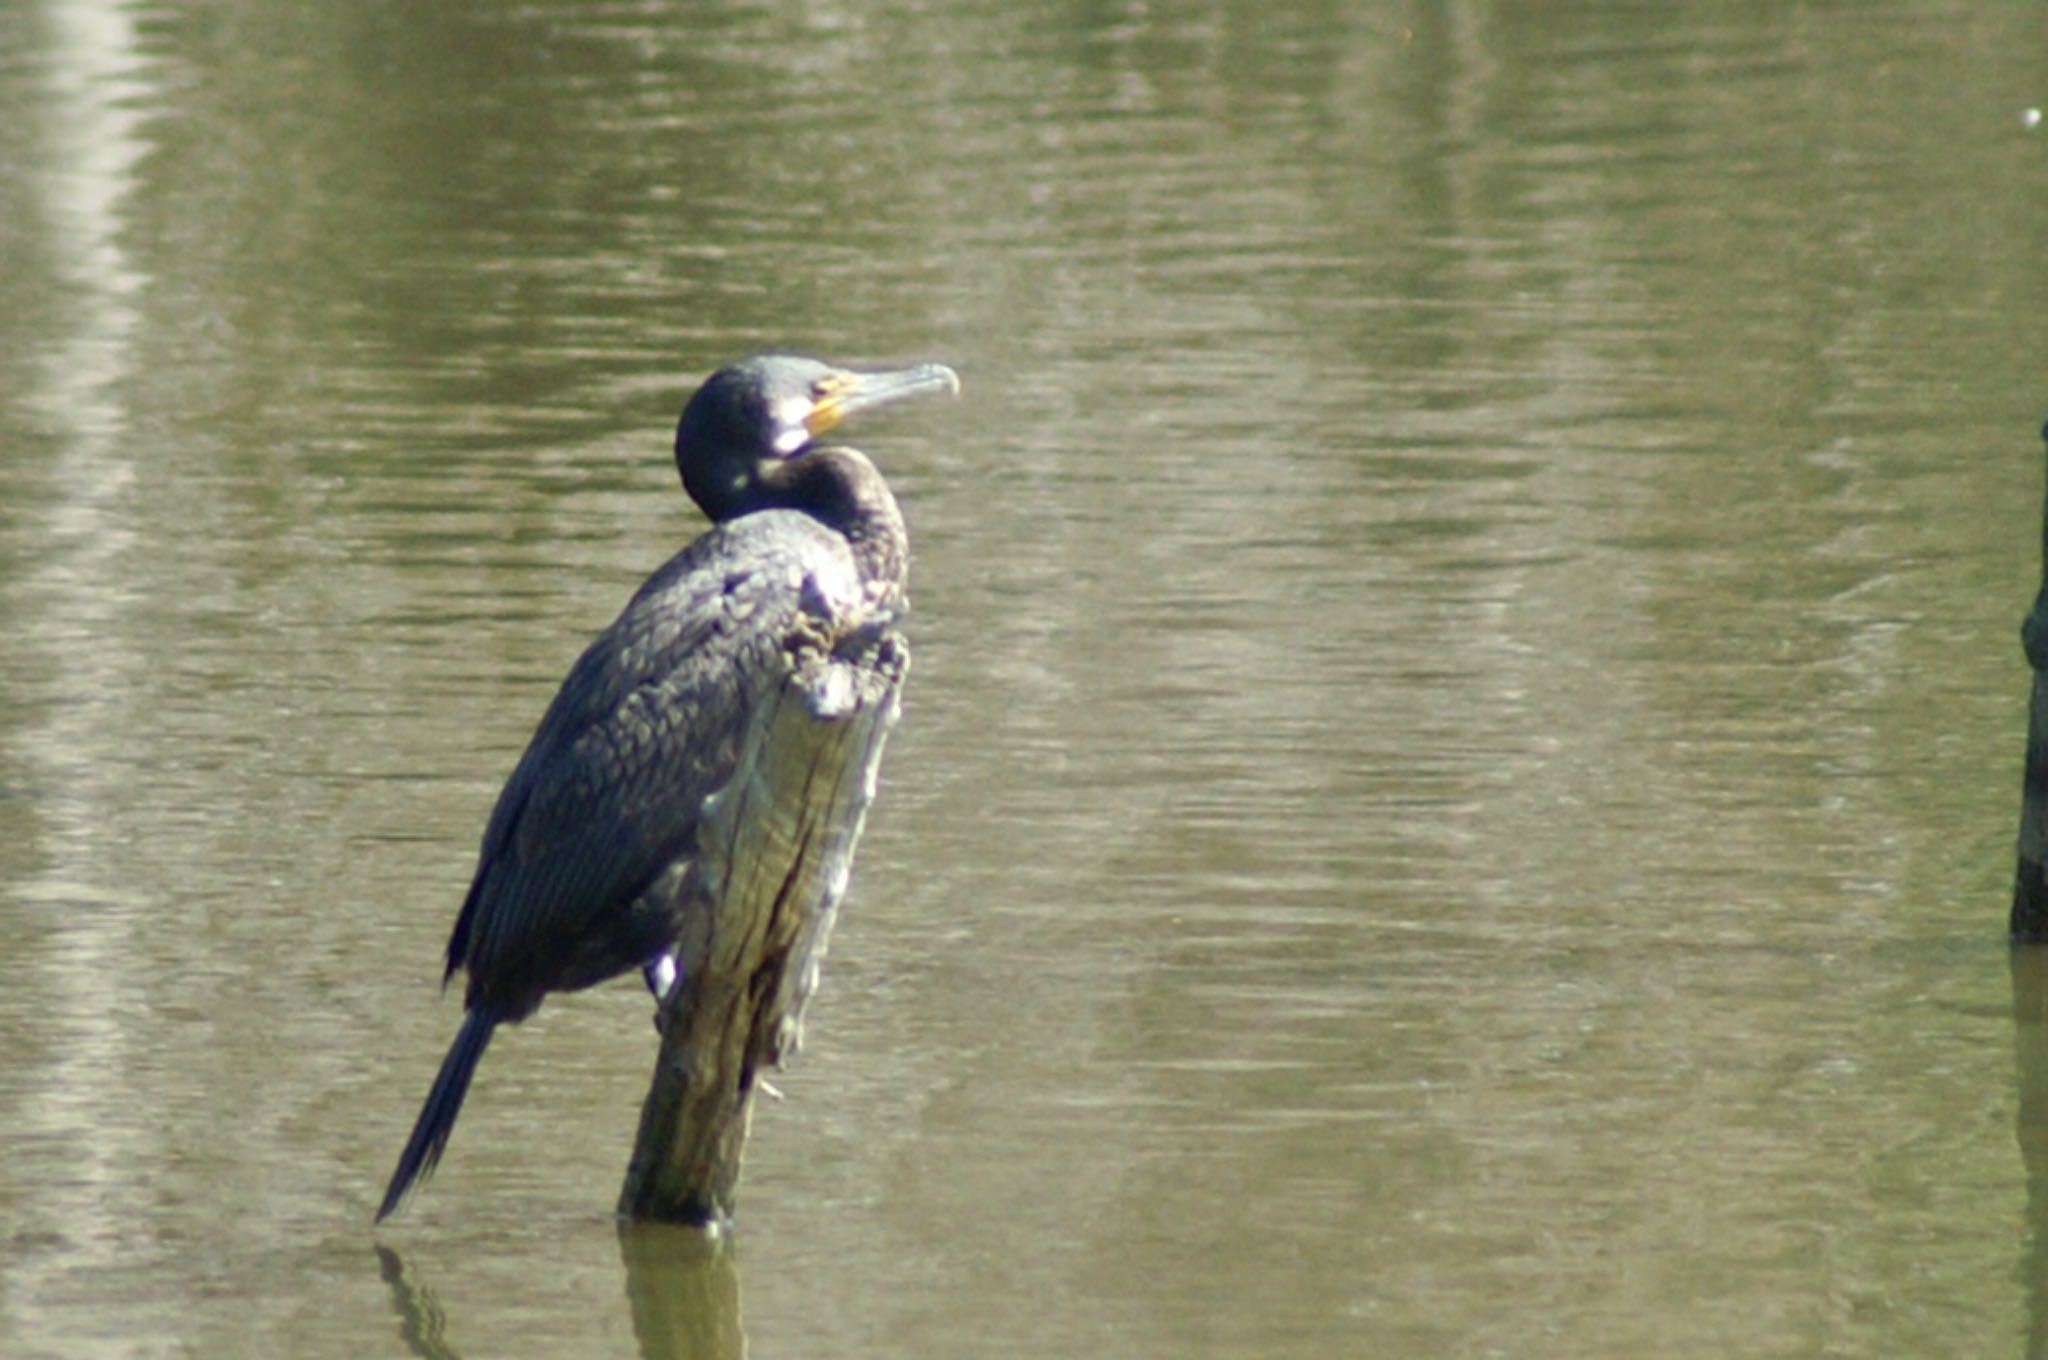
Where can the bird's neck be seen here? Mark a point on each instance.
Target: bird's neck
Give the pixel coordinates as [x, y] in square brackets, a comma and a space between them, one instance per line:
[842, 490]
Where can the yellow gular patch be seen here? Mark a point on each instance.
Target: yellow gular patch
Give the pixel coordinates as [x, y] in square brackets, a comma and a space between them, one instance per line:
[826, 411]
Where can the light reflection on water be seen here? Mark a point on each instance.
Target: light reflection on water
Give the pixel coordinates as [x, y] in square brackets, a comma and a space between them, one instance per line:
[1455, 789]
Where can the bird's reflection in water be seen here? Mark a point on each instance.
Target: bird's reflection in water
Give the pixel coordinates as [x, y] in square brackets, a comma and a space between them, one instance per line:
[420, 1319]
[682, 1285]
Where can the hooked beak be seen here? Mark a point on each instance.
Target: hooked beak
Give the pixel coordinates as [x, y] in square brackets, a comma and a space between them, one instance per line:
[843, 394]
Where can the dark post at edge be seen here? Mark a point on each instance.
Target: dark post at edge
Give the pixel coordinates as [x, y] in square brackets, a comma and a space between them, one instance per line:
[773, 858]
[2030, 886]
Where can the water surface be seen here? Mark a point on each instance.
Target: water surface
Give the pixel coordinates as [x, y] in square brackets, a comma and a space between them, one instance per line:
[1457, 792]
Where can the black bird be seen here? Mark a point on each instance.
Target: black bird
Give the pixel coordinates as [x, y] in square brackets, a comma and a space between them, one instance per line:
[584, 873]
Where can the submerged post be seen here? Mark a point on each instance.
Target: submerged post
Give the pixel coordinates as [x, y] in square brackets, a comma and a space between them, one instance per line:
[2030, 886]
[773, 858]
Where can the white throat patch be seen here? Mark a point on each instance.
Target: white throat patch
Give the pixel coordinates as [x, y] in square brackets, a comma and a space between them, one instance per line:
[790, 432]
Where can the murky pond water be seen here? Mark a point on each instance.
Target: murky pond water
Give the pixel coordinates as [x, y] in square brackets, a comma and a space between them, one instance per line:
[1457, 792]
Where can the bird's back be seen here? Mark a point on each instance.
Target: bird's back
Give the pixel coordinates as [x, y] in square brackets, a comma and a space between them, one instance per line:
[580, 876]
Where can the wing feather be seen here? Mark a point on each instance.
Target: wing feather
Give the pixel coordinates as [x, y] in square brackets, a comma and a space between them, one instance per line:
[647, 725]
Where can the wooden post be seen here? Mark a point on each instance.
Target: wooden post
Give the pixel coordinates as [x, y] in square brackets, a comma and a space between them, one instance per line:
[773, 858]
[2030, 886]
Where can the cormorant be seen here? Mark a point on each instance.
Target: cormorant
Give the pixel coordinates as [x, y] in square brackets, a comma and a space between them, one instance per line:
[584, 872]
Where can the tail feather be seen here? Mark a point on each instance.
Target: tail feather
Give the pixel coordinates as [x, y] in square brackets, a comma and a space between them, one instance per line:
[444, 1102]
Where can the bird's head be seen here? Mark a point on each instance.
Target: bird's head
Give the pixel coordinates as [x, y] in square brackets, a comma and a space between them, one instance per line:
[754, 415]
